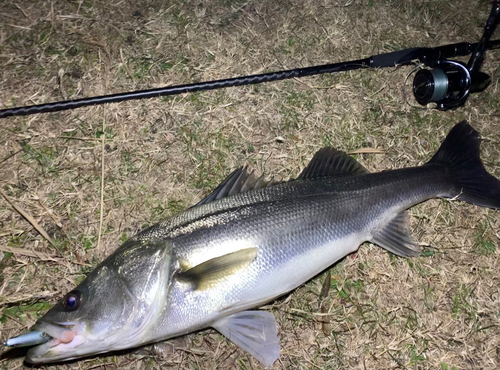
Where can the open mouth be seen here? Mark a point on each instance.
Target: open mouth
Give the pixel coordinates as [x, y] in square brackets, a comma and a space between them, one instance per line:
[50, 341]
[59, 332]
[62, 340]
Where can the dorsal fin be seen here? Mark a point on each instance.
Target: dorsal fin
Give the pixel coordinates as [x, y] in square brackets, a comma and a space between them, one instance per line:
[325, 163]
[328, 162]
[239, 181]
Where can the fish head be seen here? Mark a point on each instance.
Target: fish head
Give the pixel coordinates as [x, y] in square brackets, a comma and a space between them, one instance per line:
[112, 309]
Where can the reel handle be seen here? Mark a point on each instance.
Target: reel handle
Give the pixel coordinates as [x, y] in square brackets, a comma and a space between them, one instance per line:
[477, 56]
[449, 83]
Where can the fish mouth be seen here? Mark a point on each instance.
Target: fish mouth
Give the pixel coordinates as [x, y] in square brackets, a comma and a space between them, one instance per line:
[64, 338]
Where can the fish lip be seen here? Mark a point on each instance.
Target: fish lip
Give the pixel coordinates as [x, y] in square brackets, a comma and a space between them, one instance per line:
[61, 333]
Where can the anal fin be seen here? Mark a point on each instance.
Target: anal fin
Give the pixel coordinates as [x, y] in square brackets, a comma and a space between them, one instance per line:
[253, 331]
[395, 237]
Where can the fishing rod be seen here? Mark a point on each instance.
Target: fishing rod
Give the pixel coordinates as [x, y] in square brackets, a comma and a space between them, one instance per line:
[445, 82]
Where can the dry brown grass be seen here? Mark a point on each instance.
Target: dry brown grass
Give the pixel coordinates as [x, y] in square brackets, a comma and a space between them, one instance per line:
[440, 310]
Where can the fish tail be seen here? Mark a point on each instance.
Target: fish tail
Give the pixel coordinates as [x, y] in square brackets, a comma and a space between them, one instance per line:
[459, 153]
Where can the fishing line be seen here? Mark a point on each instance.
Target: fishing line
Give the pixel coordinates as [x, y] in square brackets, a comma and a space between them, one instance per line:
[405, 96]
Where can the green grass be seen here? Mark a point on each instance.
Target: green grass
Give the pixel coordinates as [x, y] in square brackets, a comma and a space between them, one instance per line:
[25, 313]
[484, 244]
[162, 155]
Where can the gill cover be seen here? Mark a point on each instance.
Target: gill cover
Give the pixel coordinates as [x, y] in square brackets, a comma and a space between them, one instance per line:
[112, 309]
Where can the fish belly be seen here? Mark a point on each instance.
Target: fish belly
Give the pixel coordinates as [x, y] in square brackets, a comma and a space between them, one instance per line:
[191, 310]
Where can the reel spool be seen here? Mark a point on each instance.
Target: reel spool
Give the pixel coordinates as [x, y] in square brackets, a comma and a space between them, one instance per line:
[447, 85]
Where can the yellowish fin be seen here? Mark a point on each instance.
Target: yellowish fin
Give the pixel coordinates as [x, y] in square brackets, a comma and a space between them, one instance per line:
[208, 273]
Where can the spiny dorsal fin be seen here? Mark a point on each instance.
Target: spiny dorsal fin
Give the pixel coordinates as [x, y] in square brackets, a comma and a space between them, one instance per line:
[328, 162]
[208, 273]
[239, 181]
[395, 237]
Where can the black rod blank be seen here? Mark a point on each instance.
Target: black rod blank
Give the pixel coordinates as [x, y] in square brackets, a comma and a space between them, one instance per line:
[181, 89]
[392, 59]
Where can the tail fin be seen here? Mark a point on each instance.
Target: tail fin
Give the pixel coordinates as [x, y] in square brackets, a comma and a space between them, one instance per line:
[460, 153]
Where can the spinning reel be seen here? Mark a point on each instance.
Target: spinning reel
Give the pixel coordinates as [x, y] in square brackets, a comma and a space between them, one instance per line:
[447, 83]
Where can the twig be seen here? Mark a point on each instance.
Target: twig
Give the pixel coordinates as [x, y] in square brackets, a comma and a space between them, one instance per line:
[101, 207]
[366, 151]
[10, 156]
[127, 68]
[29, 218]
[103, 137]
[24, 13]
[17, 26]
[27, 252]
[27, 300]
[12, 232]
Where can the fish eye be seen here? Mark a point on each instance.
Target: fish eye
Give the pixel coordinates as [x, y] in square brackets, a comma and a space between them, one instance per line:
[71, 301]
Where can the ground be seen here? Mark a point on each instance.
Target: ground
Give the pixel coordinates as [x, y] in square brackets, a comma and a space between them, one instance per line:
[76, 184]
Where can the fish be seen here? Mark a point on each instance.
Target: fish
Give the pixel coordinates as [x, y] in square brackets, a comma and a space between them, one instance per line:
[247, 243]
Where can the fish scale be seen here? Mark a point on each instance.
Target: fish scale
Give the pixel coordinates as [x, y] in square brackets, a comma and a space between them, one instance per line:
[246, 244]
[315, 224]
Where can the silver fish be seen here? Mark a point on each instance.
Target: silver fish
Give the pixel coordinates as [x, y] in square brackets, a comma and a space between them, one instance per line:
[246, 244]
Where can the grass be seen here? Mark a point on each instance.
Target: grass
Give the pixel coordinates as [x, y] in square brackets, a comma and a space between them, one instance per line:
[439, 310]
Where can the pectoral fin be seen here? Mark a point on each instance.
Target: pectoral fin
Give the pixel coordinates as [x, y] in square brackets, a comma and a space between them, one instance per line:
[206, 274]
[253, 331]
